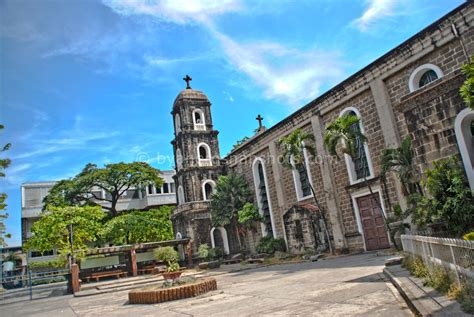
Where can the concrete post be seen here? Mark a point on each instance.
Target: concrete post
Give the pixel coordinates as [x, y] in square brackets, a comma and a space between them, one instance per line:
[329, 188]
[76, 284]
[189, 254]
[133, 262]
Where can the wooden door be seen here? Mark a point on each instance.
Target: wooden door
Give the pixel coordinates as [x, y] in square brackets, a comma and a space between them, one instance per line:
[372, 221]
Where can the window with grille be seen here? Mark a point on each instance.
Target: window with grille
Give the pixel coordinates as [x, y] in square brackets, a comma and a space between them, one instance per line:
[361, 167]
[263, 198]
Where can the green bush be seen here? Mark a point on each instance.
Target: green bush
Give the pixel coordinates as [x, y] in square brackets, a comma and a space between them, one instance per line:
[216, 253]
[53, 264]
[439, 279]
[416, 266]
[270, 246]
[168, 255]
[203, 251]
[469, 236]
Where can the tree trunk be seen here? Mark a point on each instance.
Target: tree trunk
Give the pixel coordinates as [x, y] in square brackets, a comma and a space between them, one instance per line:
[321, 210]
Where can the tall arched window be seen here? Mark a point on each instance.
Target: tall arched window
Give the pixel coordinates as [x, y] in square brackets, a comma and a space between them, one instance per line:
[207, 189]
[359, 167]
[423, 75]
[263, 197]
[302, 177]
[199, 120]
[204, 154]
[181, 199]
[177, 123]
[464, 128]
[179, 159]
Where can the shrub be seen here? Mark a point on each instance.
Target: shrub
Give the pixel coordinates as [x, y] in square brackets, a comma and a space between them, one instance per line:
[53, 264]
[416, 266]
[215, 253]
[167, 255]
[203, 251]
[469, 236]
[439, 279]
[270, 246]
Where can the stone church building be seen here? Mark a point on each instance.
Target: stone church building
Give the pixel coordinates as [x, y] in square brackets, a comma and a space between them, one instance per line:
[413, 90]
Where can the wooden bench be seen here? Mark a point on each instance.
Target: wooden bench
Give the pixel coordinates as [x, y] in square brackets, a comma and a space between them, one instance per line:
[255, 261]
[151, 269]
[98, 275]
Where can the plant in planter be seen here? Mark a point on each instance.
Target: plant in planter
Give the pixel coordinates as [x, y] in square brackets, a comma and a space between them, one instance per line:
[169, 256]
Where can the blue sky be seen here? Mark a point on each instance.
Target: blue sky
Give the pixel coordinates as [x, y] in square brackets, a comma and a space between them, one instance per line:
[94, 81]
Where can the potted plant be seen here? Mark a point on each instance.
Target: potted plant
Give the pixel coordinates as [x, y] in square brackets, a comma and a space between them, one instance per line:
[169, 256]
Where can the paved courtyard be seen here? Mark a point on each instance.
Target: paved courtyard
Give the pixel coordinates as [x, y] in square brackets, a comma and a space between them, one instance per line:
[344, 286]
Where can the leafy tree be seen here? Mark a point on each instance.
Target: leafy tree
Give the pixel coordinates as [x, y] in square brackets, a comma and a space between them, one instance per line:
[230, 195]
[293, 146]
[140, 226]
[401, 161]
[467, 89]
[113, 179]
[52, 230]
[248, 216]
[451, 202]
[4, 163]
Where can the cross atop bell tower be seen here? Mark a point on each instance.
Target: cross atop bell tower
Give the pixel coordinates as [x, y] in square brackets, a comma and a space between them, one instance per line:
[187, 79]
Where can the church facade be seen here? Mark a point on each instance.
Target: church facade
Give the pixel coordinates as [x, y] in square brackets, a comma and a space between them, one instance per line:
[411, 91]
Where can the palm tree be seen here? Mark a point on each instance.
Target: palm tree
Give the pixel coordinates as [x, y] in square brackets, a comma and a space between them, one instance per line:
[401, 161]
[230, 195]
[344, 132]
[293, 147]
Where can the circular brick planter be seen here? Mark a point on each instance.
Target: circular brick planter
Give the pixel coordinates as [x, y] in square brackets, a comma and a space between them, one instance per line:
[172, 293]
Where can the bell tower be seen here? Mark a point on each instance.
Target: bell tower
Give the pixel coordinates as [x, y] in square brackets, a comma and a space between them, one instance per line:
[198, 164]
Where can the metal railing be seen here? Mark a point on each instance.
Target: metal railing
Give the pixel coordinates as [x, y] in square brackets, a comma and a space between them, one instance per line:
[455, 255]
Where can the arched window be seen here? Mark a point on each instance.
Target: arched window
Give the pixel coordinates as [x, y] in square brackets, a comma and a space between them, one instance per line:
[423, 75]
[199, 120]
[263, 197]
[219, 239]
[204, 154]
[207, 189]
[302, 178]
[464, 128]
[181, 199]
[179, 159]
[177, 123]
[359, 167]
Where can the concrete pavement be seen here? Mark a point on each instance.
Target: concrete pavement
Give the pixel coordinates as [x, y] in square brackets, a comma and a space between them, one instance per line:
[349, 286]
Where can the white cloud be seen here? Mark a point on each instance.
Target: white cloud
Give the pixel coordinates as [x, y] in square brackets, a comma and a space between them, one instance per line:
[376, 11]
[286, 74]
[175, 11]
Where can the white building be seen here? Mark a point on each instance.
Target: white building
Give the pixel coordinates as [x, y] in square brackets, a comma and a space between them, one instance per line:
[32, 195]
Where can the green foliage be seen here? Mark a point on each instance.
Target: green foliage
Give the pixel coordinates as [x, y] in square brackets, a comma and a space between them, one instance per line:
[4, 163]
[230, 195]
[172, 267]
[293, 145]
[340, 133]
[450, 202]
[467, 89]
[114, 179]
[51, 231]
[203, 251]
[396, 224]
[168, 255]
[439, 279]
[140, 226]
[240, 142]
[416, 266]
[53, 264]
[469, 236]
[401, 161]
[216, 253]
[248, 216]
[269, 245]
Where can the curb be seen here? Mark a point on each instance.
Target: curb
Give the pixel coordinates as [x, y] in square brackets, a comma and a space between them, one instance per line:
[409, 298]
